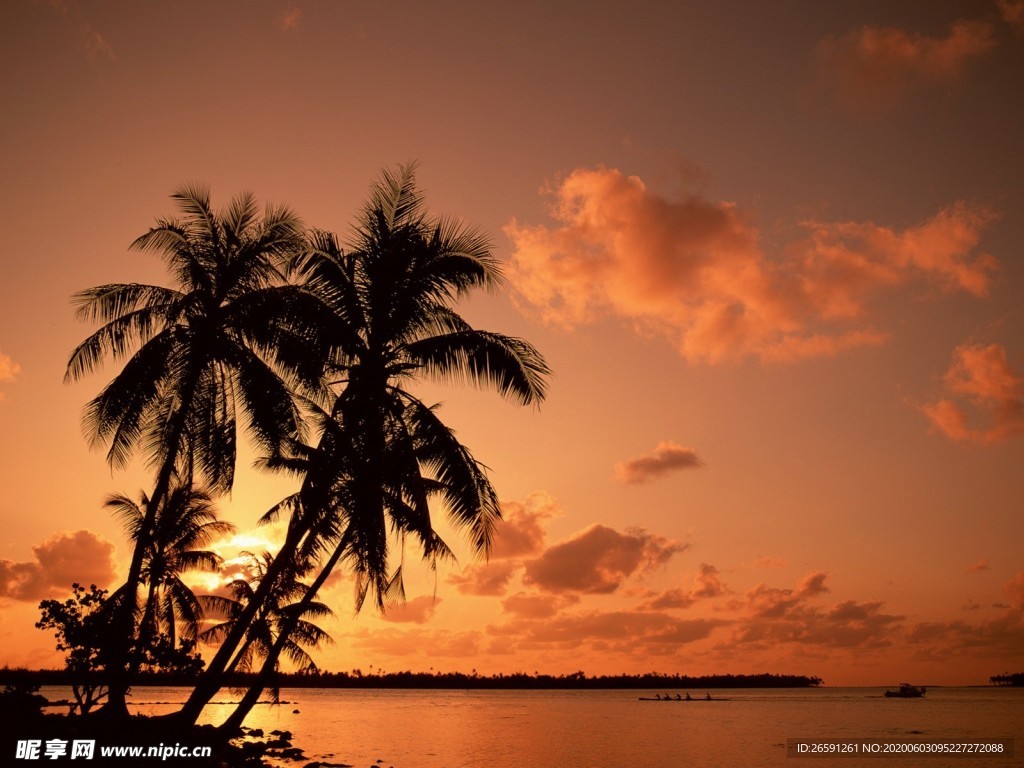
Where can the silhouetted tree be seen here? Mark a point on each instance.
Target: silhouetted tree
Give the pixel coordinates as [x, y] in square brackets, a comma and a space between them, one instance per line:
[262, 632]
[383, 454]
[198, 352]
[185, 522]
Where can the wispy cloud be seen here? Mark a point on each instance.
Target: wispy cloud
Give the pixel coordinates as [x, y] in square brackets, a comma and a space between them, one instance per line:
[979, 567]
[9, 370]
[96, 46]
[529, 606]
[491, 578]
[59, 561]
[980, 378]
[1012, 12]
[667, 457]
[630, 633]
[693, 270]
[872, 68]
[706, 584]
[290, 18]
[418, 610]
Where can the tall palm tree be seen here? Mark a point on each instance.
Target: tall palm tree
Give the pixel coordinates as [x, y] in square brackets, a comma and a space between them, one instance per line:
[197, 353]
[383, 453]
[185, 523]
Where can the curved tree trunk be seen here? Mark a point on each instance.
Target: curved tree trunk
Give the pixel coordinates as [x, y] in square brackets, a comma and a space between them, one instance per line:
[123, 628]
[252, 695]
[212, 677]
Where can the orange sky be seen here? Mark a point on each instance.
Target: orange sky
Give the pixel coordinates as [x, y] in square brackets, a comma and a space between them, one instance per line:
[773, 252]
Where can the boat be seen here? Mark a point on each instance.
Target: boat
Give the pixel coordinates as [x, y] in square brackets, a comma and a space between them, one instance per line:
[906, 691]
[670, 698]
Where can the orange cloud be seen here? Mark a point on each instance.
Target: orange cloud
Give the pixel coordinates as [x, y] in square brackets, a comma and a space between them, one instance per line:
[1012, 12]
[521, 532]
[59, 561]
[1015, 589]
[692, 270]
[290, 19]
[598, 560]
[1000, 638]
[978, 567]
[484, 578]
[629, 632]
[872, 68]
[980, 376]
[9, 370]
[417, 611]
[520, 535]
[706, 584]
[93, 42]
[667, 457]
[528, 606]
[407, 642]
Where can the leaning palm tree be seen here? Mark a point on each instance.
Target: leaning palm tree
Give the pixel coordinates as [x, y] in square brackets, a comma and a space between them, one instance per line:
[274, 613]
[216, 343]
[384, 454]
[185, 524]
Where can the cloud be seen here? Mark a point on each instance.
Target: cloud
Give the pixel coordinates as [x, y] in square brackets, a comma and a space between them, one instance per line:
[1015, 589]
[978, 567]
[981, 377]
[668, 457]
[95, 45]
[528, 606]
[873, 68]
[692, 270]
[598, 560]
[59, 561]
[630, 632]
[706, 584]
[773, 616]
[812, 584]
[847, 625]
[1012, 12]
[417, 611]
[484, 578]
[521, 532]
[9, 370]
[393, 641]
[290, 18]
[1000, 638]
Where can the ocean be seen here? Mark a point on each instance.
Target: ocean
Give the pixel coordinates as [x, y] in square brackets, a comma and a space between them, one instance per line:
[558, 729]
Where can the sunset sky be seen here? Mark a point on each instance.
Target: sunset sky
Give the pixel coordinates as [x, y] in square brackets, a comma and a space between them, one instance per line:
[773, 252]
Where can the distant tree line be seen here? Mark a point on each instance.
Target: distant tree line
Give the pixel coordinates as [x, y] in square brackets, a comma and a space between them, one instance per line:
[1007, 679]
[444, 680]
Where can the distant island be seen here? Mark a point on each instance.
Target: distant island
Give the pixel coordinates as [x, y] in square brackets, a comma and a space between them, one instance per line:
[451, 680]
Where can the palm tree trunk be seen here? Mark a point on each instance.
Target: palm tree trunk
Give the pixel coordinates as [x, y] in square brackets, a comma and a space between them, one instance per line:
[252, 695]
[123, 628]
[212, 678]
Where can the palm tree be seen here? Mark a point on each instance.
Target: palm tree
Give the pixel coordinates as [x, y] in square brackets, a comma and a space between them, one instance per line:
[197, 353]
[262, 633]
[383, 453]
[185, 523]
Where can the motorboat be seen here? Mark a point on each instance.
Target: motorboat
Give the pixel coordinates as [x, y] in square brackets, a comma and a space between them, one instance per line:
[906, 691]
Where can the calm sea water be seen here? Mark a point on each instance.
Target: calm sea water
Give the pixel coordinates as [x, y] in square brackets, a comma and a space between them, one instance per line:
[558, 729]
